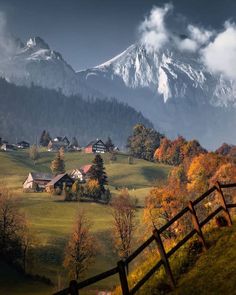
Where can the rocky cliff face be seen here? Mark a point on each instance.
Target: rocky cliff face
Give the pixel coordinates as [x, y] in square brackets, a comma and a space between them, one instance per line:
[173, 89]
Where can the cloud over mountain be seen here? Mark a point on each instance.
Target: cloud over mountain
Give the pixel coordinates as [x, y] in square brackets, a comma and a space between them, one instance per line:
[217, 49]
[220, 54]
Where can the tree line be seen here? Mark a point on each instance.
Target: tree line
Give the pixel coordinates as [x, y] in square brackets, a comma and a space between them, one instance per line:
[25, 111]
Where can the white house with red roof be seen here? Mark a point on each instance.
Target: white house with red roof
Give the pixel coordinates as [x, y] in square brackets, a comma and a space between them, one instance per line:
[81, 174]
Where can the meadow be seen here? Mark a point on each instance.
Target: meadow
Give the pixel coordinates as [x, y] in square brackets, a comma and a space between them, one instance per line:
[51, 220]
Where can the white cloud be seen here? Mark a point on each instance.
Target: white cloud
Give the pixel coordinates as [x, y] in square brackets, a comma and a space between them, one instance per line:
[153, 31]
[216, 49]
[220, 54]
[186, 44]
[200, 35]
[8, 46]
[197, 38]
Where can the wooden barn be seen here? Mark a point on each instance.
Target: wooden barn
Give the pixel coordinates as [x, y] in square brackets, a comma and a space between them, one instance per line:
[23, 145]
[58, 182]
[8, 147]
[37, 181]
[96, 146]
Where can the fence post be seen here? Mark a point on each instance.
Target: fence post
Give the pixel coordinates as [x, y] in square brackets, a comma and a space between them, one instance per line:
[196, 225]
[123, 277]
[223, 204]
[73, 288]
[164, 258]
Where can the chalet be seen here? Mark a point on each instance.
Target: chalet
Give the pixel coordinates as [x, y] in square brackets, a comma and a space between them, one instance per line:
[8, 147]
[96, 146]
[58, 182]
[77, 174]
[23, 145]
[57, 143]
[81, 174]
[63, 140]
[37, 181]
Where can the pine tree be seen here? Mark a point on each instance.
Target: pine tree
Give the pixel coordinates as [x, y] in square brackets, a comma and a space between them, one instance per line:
[44, 138]
[47, 138]
[98, 173]
[109, 144]
[74, 142]
[58, 165]
[143, 142]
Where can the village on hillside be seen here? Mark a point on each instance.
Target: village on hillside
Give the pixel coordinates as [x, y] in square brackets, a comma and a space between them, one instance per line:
[58, 181]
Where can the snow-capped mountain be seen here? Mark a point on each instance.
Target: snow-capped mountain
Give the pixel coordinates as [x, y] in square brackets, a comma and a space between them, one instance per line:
[173, 89]
[34, 62]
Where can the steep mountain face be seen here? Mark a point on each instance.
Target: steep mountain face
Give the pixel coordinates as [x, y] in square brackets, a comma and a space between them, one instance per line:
[34, 62]
[173, 89]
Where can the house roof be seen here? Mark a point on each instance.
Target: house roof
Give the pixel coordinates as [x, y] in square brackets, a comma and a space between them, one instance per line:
[58, 138]
[56, 179]
[22, 142]
[93, 142]
[85, 169]
[41, 176]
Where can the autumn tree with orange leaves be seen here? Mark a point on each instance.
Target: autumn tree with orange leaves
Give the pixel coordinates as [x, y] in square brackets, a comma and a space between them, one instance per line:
[123, 212]
[164, 202]
[176, 151]
[81, 248]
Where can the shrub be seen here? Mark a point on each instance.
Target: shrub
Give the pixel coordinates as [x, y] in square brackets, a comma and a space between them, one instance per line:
[221, 221]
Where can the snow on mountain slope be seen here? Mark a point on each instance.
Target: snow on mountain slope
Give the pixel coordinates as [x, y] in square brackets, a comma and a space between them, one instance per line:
[168, 73]
[34, 62]
[172, 88]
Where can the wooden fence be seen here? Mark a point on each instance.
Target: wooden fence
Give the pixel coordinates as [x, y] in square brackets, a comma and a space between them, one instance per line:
[122, 265]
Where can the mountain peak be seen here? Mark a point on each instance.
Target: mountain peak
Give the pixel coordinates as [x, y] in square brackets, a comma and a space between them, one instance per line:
[37, 42]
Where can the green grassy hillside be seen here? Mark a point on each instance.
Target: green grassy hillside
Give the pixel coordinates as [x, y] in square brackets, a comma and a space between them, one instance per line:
[207, 273]
[51, 220]
[215, 271]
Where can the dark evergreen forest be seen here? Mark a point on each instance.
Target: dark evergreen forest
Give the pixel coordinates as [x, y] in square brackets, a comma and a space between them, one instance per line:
[26, 111]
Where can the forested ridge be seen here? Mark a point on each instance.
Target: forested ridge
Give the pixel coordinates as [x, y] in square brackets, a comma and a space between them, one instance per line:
[26, 111]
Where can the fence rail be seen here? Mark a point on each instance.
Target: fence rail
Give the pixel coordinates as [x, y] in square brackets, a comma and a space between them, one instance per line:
[122, 265]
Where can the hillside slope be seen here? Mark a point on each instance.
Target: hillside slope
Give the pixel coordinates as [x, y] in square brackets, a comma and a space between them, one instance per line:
[207, 273]
[26, 112]
[215, 271]
[51, 220]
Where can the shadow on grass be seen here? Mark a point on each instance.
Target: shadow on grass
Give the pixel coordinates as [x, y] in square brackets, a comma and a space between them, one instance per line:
[152, 174]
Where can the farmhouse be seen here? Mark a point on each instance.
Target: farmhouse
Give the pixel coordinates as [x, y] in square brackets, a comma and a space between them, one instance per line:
[63, 140]
[58, 182]
[8, 147]
[57, 143]
[81, 174]
[23, 145]
[96, 146]
[37, 181]
[77, 174]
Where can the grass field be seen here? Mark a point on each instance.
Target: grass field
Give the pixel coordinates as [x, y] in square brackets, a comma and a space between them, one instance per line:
[215, 271]
[51, 219]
